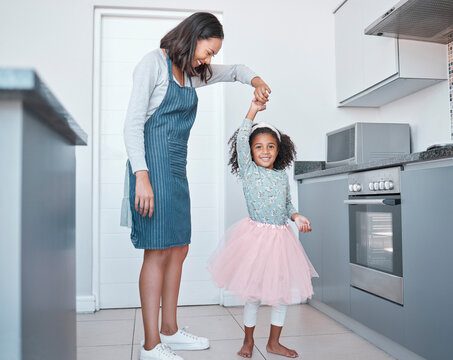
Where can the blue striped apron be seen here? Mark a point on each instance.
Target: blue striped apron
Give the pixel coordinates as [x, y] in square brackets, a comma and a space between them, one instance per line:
[166, 134]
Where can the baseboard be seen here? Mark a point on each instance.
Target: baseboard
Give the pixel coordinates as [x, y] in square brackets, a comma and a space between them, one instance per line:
[85, 304]
[389, 346]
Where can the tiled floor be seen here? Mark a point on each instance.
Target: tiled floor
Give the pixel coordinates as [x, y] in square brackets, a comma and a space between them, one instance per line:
[116, 335]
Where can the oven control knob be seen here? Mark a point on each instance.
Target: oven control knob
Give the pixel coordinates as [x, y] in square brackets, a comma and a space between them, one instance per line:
[376, 185]
[351, 188]
[387, 185]
[381, 185]
[357, 187]
[390, 184]
[371, 186]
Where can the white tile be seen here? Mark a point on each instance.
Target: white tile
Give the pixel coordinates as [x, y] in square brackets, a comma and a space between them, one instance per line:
[206, 123]
[127, 50]
[115, 314]
[204, 195]
[110, 222]
[202, 147]
[113, 352]
[347, 346]
[118, 246]
[201, 171]
[112, 121]
[203, 243]
[198, 292]
[115, 97]
[195, 269]
[120, 295]
[235, 310]
[208, 98]
[120, 270]
[136, 27]
[117, 73]
[112, 171]
[204, 219]
[112, 147]
[100, 332]
[111, 196]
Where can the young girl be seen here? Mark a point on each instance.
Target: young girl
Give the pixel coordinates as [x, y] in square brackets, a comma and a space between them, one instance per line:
[261, 259]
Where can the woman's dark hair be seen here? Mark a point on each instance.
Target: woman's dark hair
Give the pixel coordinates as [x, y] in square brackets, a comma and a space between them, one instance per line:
[286, 149]
[182, 42]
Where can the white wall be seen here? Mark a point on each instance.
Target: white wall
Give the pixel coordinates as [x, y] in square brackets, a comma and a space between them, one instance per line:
[291, 45]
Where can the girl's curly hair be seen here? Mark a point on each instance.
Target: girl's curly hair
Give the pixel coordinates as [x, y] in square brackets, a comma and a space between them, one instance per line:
[286, 149]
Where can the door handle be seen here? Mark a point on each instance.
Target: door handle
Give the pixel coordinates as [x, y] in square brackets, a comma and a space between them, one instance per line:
[390, 202]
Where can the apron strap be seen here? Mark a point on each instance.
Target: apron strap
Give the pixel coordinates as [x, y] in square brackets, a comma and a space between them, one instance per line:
[170, 72]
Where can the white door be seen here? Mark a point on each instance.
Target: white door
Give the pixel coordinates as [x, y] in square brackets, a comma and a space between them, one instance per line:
[124, 38]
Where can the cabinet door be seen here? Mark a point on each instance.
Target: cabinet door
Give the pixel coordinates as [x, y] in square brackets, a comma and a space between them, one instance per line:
[328, 244]
[362, 61]
[348, 49]
[380, 54]
[427, 215]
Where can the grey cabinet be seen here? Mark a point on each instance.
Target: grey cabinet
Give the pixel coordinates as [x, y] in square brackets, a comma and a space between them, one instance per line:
[327, 246]
[37, 218]
[427, 218]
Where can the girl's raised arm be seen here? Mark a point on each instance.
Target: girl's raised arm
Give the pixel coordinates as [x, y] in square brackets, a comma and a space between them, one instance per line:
[242, 143]
[243, 146]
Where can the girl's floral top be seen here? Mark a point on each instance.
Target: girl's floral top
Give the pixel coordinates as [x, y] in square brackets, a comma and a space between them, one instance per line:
[266, 191]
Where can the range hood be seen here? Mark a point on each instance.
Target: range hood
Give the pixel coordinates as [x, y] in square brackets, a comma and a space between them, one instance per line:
[425, 20]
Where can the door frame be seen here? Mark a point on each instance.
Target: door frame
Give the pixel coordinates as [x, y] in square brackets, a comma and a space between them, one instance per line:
[99, 13]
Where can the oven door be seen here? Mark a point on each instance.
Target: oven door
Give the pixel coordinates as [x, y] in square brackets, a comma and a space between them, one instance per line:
[376, 245]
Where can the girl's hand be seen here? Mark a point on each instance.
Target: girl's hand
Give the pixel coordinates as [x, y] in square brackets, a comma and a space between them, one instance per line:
[262, 91]
[144, 196]
[302, 223]
[257, 105]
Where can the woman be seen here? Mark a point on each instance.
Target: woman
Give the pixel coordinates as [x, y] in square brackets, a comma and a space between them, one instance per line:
[161, 112]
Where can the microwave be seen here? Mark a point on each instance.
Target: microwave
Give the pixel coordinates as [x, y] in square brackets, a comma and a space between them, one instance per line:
[361, 142]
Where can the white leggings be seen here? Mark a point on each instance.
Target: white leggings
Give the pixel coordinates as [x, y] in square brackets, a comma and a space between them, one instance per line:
[251, 309]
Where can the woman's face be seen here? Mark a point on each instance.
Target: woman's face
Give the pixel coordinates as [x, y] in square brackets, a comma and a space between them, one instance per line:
[264, 150]
[205, 50]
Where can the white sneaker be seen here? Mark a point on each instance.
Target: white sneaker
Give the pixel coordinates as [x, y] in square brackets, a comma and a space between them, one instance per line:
[159, 352]
[182, 340]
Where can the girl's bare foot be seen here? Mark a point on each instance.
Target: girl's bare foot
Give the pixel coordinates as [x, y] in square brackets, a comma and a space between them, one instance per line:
[246, 349]
[279, 349]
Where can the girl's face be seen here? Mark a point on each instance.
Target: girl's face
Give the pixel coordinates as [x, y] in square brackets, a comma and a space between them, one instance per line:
[264, 150]
[205, 50]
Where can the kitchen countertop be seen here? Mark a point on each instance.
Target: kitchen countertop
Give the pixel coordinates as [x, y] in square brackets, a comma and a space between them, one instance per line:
[26, 86]
[313, 169]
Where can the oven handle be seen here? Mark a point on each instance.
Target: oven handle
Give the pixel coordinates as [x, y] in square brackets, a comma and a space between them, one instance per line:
[391, 202]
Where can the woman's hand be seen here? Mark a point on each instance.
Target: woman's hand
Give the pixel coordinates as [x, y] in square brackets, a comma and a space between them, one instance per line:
[262, 91]
[144, 196]
[302, 223]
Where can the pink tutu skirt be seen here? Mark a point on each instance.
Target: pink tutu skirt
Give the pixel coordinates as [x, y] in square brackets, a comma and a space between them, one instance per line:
[263, 262]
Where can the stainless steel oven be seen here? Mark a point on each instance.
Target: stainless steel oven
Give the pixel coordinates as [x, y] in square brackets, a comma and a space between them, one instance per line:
[374, 203]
